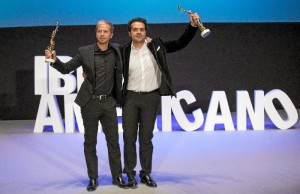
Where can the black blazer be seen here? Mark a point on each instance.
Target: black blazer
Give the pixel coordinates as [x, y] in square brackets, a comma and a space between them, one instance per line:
[159, 48]
[85, 58]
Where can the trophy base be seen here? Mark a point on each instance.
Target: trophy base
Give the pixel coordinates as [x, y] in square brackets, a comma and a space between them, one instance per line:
[205, 33]
[50, 60]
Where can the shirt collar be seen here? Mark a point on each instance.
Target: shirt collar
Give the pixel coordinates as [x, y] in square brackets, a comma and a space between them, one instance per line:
[96, 48]
[133, 47]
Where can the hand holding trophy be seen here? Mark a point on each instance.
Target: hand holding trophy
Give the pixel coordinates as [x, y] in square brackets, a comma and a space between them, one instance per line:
[204, 31]
[51, 45]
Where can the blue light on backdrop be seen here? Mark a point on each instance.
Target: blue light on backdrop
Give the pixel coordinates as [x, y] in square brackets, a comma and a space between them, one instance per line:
[18, 13]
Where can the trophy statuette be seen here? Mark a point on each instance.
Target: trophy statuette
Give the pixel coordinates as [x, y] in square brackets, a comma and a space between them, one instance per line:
[204, 31]
[51, 45]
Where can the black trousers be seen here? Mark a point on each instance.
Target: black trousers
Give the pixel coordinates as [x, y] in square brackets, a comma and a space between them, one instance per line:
[105, 111]
[138, 119]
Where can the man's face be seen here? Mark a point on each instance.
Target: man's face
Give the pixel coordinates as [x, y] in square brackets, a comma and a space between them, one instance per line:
[103, 33]
[138, 32]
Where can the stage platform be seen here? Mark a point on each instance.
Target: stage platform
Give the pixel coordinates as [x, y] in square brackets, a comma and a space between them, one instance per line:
[219, 162]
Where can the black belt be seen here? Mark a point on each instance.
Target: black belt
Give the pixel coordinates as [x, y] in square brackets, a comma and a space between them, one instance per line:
[143, 92]
[101, 97]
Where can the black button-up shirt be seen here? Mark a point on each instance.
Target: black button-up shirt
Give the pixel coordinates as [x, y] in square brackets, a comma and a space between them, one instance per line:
[105, 62]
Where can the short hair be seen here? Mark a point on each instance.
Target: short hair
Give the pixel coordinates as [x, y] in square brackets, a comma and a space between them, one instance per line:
[144, 21]
[106, 22]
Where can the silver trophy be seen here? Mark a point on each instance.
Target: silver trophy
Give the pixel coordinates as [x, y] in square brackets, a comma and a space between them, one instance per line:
[204, 31]
[51, 45]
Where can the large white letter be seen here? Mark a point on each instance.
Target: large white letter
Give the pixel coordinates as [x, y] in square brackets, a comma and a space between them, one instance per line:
[72, 111]
[48, 102]
[288, 106]
[55, 79]
[212, 118]
[180, 115]
[40, 75]
[244, 105]
[166, 113]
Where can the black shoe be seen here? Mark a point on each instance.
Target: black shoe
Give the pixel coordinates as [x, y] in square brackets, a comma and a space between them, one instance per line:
[131, 181]
[148, 181]
[120, 182]
[92, 185]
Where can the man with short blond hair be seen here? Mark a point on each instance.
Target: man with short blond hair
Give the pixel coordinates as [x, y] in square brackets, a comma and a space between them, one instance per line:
[98, 96]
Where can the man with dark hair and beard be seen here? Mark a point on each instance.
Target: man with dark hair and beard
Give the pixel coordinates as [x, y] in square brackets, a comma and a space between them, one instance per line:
[146, 78]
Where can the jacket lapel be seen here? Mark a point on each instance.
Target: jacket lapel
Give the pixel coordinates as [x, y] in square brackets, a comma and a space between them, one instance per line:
[153, 50]
[126, 55]
[92, 60]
